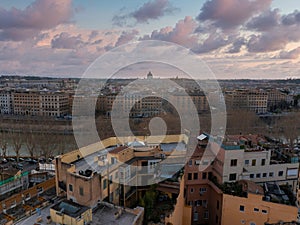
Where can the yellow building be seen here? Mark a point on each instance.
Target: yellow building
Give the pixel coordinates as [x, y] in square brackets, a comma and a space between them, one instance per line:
[253, 209]
[182, 213]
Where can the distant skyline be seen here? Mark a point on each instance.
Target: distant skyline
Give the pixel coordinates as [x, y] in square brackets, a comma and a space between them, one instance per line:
[256, 39]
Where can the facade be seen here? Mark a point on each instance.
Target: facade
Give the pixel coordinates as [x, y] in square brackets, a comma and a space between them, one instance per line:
[252, 209]
[244, 162]
[53, 104]
[34, 103]
[275, 98]
[26, 103]
[5, 103]
[253, 100]
[113, 173]
[248, 157]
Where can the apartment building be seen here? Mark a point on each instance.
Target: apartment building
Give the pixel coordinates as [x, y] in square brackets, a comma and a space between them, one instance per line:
[6, 106]
[113, 173]
[214, 173]
[249, 157]
[26, 103]
[275, 98]
[53, 104]
[36, 103]
[253, 100]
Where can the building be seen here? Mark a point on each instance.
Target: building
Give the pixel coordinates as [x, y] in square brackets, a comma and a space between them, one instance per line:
[276, 98]
[249, 157]
[112, 173]
[53, 104]
[36, 103]
[213, 178]
[253, 100]
[252, 208]
[6, 106]
[26, 103]
[68, 212]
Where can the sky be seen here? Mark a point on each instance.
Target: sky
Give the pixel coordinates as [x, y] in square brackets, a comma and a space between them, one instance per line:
[258, 39]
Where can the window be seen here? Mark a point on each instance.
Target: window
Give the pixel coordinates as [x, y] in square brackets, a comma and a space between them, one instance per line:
[204, 203]
[271, 174]
[256, 210]
[70, 187]
[233, 162]
[232, 176]
[280, 173]
[253, 162]
[205, 214]
[264, 174]
[195, 176]
[242, 208]
[202, 190]
[81, 191]
[264, 211]
[189, 176]
[247, 162]
[218, 204]
[258, 175]
[196, 216]
[190, 162]
[198, 202]
[192, 190]
[104, 184]
[252, 223]
[217, 219]
[263, 162]
[252, 175]
[204, 175]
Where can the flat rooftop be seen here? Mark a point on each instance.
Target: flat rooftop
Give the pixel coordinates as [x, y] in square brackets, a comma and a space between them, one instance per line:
[70, 208]
[89, 163]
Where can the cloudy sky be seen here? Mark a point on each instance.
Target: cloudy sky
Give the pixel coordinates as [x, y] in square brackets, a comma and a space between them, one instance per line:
[236, 38]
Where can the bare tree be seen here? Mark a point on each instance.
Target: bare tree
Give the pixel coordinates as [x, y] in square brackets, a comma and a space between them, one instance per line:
[288, 126]
[4, 143]
[31, 143]
[244, 122]
[17, 142]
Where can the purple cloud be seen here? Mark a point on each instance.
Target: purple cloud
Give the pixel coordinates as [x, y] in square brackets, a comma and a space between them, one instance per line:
[16, 24]
[66, 41]
[228, 14]
[265, 21]
[126, 37]
[291, 19]
[182, 33]
[151, 10]
[293, 54]
[237, 45]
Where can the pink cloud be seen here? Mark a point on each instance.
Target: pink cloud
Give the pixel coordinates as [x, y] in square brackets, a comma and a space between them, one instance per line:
[16, 24]
[231, 13]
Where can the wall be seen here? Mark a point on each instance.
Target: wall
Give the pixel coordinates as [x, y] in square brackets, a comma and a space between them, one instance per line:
[231, 213]
[182, 213]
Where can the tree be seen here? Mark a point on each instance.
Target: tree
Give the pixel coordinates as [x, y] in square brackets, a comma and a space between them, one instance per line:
[30, 143]
[244, 122]
[17, 142]
[3, 142]
[288, 126]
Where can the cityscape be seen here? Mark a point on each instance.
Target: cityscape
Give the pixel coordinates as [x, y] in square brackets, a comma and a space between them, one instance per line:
[149, 112]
